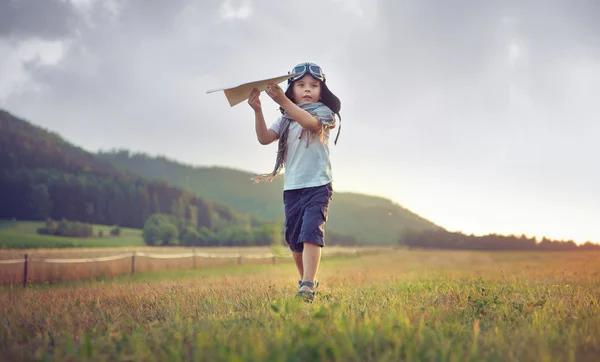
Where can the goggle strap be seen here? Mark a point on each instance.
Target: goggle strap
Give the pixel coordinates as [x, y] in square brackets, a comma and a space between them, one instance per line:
[339, 129]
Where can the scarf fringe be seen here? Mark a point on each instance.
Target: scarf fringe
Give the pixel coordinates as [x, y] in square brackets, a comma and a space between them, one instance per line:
[267, 177]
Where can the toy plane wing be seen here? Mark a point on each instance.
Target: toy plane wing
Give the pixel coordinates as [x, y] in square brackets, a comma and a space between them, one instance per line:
[240, 93]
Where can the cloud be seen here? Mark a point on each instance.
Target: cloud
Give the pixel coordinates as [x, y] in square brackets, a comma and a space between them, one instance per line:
[48, 19]
[16, 59]
[469, 97]
[154, 60]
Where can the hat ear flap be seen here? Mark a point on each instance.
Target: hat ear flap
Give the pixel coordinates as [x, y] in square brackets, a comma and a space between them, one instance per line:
[289, 92]
[330, 100]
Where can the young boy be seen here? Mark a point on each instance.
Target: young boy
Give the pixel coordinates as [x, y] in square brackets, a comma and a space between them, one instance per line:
[308, 114]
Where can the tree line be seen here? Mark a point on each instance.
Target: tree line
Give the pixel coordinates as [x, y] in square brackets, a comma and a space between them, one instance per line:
[167, 230]
[77, 229]
[441, 239]
[90, 198]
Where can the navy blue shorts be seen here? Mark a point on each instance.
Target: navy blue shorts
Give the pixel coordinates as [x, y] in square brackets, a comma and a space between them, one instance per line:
[305, 215]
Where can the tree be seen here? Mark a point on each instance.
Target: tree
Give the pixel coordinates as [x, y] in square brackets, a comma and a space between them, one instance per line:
[169, 235]
[161, 229]
[40, 203]
[207, 237]
[189, 236]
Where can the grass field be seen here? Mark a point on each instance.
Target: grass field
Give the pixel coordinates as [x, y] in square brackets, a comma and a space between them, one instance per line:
[23, 235]
[400, 305]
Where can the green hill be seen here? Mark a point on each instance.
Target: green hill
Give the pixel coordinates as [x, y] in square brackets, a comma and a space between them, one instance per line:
[44, 176]
[372, 220]
[27, 146]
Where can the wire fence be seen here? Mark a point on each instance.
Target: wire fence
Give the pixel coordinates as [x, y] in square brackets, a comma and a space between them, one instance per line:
[33, 263]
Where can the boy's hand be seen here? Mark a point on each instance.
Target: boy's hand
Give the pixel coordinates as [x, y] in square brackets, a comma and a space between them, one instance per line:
[254, 101]
[276, 93]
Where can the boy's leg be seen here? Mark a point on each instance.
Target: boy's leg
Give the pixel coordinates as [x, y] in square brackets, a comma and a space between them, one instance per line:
[298, 260]
[293, 224]
[311, 257]
[313, 230]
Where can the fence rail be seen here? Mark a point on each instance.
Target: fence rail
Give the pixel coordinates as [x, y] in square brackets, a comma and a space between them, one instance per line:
[12, 261]
[26, 259]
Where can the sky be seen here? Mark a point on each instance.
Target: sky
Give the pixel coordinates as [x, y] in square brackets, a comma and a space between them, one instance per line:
[478, 116]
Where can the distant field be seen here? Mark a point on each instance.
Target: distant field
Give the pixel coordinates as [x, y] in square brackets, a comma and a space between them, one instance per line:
[23, 235]
[396, 306]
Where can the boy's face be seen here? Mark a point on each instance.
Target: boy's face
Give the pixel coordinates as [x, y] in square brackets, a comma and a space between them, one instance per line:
[307, 90]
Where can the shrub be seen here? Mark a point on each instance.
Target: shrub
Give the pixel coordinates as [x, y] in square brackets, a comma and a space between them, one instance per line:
[66, 228]
[161, 229]
[189, 236]
[116, 231]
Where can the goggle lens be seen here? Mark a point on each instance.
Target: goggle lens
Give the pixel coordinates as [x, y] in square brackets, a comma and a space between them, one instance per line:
[314, 70]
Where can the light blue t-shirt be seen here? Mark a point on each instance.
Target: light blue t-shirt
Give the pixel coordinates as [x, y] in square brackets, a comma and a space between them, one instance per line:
[307, 162]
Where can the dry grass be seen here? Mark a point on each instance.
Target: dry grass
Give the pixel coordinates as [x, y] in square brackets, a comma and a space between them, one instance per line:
[401, 305]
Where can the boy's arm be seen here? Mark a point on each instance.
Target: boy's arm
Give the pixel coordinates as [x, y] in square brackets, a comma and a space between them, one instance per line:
[265, 135]
[305, 119]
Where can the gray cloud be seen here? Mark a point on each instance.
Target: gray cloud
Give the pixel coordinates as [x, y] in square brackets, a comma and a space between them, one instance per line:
[432, 93]
[448, 68]
[48, 19]
[153, 63]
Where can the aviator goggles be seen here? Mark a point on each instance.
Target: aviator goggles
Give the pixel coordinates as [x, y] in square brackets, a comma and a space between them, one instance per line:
[302, 69]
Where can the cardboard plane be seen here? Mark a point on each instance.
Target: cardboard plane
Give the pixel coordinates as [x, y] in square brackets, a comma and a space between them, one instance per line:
[240, 93]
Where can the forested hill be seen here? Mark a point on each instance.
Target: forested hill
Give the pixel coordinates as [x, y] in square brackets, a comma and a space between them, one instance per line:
[42, 175]
[372, 220]
[24, 145]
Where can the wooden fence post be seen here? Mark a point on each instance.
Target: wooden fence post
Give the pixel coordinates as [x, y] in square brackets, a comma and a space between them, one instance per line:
[25, 271]
[240, 259]
[133, 263]
[194, 258]
[274, 260]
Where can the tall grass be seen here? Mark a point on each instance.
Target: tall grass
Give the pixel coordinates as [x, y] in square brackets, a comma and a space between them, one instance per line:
[416, 306]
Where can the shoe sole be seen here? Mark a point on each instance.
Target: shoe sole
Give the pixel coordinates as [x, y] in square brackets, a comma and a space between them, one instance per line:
[306, 296]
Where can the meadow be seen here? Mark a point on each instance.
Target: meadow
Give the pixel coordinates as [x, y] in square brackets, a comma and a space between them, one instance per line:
[393, 306]
[22, 235]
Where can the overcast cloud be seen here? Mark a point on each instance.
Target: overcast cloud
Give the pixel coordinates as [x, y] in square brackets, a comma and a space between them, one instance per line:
[481, 116]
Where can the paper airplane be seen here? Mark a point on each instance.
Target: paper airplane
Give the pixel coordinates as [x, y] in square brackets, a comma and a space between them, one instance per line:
[240, 93]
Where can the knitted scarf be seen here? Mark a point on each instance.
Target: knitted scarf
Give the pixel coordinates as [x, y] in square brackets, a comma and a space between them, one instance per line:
[318, 110]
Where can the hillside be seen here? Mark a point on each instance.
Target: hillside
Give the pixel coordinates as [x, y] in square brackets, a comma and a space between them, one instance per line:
[24, 145]
[42, 175]
[372, 220]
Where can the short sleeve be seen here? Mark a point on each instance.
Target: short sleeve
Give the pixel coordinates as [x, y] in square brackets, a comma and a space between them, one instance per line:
[276, 126]
[328, 120]
[325, 117]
